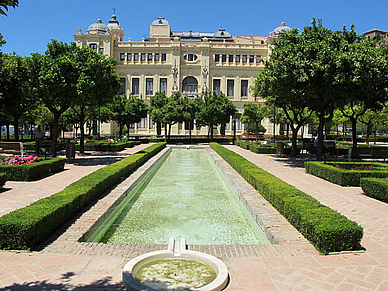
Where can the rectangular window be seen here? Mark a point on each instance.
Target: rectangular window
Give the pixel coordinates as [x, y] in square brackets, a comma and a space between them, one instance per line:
[258, 59]
[122, 90]
[132, 126]
[230, 58]
[251, 59]
[217, 58]
[244, 88]
[223, 58]
[157, 57]
[244, 58]
[135, 86]
[135, 57]
[149, 86]
[142, 57]
[190, 57]
[237, 58]
[101, 50]
[163, 85]
[129, 57]
[142, 123]
[93, 46]
[217, 85]
[164, 57]
[230, 88]
[122, 56]
[149, 57]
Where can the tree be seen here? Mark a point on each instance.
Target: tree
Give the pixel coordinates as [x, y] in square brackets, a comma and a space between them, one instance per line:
[97, 84]
[127, 111]
[253, 113]
[15, 88]
[364, 82]
[157, 102]
[4, 4]
[70, 76]
[213, 109]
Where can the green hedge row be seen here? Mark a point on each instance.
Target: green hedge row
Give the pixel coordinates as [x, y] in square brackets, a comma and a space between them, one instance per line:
[108, 146]
[33, 171]
[325, 228]
[376, 188]
[343, 177]
[262, 150]
[3, 179]
[27, 227]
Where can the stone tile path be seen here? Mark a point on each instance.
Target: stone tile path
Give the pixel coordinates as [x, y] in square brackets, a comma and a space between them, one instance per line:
[277, 267]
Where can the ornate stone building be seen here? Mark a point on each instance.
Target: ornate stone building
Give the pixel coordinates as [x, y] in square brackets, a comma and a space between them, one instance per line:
[189, 62]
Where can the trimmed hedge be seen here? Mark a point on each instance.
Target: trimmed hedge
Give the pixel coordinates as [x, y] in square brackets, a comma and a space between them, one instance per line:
[375, 188]
[262, 150]
[27, 227]
[33, 171]
[325, 228]
[346, 178]
[3, 179]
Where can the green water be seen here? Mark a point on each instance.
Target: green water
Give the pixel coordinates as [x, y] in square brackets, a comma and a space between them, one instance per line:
[174, 274]
[187, 197]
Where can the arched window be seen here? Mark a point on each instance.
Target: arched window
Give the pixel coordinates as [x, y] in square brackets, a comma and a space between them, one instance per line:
[190, 86]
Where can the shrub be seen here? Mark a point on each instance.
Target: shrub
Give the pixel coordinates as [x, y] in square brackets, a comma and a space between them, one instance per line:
[376, 188]
[33, 171]
[325, 228]
[262, 149]
[346, 177]
[3, 179]
[25, 228]
[131, 144]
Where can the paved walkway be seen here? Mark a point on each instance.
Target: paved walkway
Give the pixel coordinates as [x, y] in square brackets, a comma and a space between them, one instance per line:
[96, 267]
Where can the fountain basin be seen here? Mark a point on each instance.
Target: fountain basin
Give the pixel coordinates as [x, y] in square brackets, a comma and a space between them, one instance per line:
[175, 269]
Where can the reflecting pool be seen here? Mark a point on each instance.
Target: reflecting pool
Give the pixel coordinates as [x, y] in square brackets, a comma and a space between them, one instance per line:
[186, 196]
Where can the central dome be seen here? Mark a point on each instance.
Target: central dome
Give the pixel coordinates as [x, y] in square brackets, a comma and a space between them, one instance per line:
[98, 27]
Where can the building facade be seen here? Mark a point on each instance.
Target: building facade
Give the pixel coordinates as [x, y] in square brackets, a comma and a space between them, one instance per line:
[189, 62]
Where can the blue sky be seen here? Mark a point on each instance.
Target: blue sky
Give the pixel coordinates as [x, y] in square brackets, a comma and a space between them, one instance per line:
[33, 24]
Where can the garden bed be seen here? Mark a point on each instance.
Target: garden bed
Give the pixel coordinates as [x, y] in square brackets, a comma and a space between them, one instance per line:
[33, 171]
[346, 174]
[326, 229]
[27, 227]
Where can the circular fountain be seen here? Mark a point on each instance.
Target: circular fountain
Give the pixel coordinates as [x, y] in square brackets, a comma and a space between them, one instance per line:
[175, 269]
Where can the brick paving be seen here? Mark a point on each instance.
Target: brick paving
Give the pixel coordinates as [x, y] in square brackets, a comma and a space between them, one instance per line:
[290, 263]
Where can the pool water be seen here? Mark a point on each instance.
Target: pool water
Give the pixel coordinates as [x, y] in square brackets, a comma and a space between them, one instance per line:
[188, 197]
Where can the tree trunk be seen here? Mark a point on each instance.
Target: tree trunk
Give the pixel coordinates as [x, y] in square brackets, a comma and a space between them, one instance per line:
[257, 131]
[367, 132]
[55, 134]
[82, 130]
[165, 132]
[169, 131]
[320, 147]
[16, 128]
[354, 130]
[294, 140]
[343, 132]
[190, 125]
